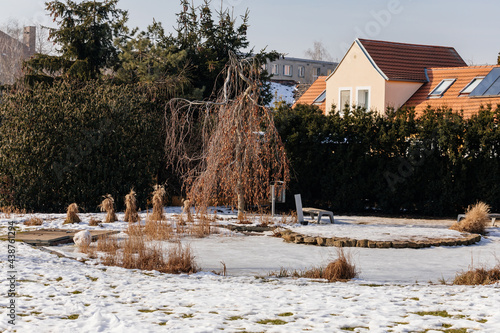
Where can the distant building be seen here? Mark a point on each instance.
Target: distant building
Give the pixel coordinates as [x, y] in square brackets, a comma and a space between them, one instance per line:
[13, 52]
[298, 71]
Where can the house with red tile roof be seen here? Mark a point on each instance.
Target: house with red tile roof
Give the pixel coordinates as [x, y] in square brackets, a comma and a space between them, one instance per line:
[315, 94]
[379, 74]
[462, 89]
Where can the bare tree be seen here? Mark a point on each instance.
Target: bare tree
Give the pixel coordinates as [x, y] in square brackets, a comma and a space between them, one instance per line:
[318, 52]
[227, 150]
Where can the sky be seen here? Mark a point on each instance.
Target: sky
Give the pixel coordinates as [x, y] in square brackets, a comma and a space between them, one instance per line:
[292, 26]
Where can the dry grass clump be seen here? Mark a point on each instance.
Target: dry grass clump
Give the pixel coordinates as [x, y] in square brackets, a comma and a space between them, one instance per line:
[158, 200]
[131, 214]
[158, 230]
[134, 253]
[180, 260]
[9, 210]
[340, 269]
[108, 206]
[94, 222]
[34, 221]
[107, 244]
[72, 214]
[475, 220]
[478, 276]
[200, 229]
[187, 209]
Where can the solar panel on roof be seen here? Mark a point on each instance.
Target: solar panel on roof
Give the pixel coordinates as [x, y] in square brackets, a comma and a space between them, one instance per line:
[490, 86]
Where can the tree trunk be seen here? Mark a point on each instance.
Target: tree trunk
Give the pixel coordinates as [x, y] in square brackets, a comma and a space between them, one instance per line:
[241, 199]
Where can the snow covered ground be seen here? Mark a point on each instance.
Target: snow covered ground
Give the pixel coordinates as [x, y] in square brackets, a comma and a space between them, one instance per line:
[282, 92]
[398, 290]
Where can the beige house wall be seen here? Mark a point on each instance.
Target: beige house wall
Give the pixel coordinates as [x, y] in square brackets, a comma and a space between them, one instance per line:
[356, 71]
[398, 92]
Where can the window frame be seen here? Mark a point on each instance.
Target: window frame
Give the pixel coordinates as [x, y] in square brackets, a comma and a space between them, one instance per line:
[368, 104]
[289, 72]
[477, 78]
[341, 107]
[275, 69]
[301, 71]
[318, 101]
[433, 93]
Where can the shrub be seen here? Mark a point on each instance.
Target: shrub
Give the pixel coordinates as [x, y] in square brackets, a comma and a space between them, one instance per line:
[475, 220]
[71, 142]
[108, 206]
[131, 214]
[72, 214]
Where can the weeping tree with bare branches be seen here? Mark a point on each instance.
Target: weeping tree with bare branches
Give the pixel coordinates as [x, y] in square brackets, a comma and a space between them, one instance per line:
[227, 149]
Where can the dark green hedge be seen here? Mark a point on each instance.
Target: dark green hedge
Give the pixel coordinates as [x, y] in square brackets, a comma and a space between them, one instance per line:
[74, 143]
[359, 162]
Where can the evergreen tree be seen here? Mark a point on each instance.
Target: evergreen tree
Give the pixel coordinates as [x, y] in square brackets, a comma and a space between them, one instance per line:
[85, 34]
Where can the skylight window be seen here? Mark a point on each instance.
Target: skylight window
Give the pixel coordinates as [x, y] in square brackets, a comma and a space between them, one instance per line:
[472, 85]
[321, 98]
[441, 88]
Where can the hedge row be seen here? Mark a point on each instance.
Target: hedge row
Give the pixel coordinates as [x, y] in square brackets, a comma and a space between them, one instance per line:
[75, 143]
[357, 162]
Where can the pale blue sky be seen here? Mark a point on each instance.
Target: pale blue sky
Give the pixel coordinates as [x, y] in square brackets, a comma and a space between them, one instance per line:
[291, 26]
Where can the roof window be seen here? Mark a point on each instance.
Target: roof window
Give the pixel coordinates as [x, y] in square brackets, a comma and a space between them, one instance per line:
[441, 88]
[472, 85]
[321, 98]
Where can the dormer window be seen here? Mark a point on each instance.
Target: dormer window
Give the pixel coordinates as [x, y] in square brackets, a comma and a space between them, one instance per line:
[441, 88]
[472, 85]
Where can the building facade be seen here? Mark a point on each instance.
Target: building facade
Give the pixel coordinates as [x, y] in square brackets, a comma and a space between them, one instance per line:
[298, 71]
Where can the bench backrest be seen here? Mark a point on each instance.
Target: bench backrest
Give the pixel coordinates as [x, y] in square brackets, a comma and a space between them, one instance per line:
[298, 206]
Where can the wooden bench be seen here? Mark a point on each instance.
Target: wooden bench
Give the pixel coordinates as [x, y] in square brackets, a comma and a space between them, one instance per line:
[492, 216]
[312, 212]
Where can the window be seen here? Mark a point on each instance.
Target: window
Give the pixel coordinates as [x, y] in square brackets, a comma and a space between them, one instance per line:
[275, 70]
[472, 85]
[344, 99]
[264, 67]
[320, 99]
[316, 71]
[441, 88]
[364, 98]
[287, 70]
[302, 71]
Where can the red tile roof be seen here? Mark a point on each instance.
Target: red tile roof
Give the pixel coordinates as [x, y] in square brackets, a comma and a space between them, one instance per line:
[313, 92]
[407, 62]
[452, 97]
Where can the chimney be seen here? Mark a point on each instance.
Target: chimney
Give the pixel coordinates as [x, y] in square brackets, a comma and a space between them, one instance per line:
[29, 39]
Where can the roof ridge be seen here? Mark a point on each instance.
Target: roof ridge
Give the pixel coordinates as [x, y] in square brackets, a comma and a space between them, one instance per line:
[405, 44]
[464, 67]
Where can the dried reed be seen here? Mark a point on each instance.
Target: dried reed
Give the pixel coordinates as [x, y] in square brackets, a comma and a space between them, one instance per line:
[107, 244]
[340, 269]
[94, 222]
[158, 200]
[72, 214]
[478, 276]
[475, 220]
[131, 214]
[34, 221]
[187, 209]
[108, 206]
